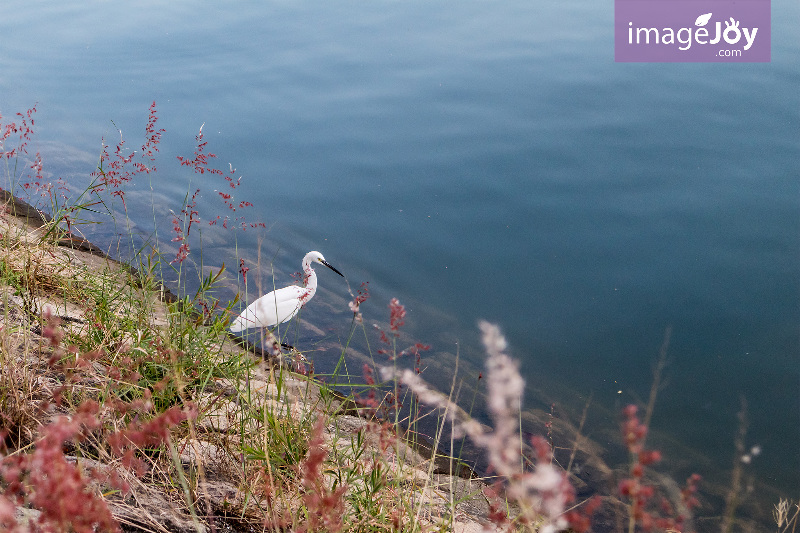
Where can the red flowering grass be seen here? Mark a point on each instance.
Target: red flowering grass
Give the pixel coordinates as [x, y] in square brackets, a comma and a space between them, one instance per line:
[360, 298]
[397, 315]
[22, 130]
[54, 192]
[150, 146]
[325, 505]
[647, 511]
[580, 518]
[117, 169]
[152, 432]
[182, 226]
[45, 480]
[200, 163]
[120, 167]
[243, 270]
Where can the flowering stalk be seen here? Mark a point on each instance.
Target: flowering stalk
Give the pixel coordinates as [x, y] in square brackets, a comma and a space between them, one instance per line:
[114, 171]
[634, 433]
[200, 164]
[355, 304]
[543, 493]
[325, 506]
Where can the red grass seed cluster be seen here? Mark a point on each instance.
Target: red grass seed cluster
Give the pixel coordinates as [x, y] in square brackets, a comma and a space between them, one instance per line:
[647, 511]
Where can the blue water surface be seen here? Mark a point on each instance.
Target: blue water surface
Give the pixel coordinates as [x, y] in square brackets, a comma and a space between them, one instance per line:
[475, 160]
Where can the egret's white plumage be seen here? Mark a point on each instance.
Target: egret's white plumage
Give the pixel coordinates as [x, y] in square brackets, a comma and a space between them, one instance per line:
[281, 305]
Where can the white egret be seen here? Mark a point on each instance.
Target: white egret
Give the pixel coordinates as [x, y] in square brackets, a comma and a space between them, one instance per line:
[281, 305]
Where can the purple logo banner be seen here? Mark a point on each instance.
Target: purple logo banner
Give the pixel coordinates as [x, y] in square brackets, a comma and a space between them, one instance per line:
[677, 31]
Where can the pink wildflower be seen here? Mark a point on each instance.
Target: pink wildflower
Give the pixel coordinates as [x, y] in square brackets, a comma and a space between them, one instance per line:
[543, 492]
[325, 506]
[355, 304]
[397, 315]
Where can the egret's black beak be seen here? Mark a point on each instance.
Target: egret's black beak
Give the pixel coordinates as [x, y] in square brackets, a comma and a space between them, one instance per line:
[331, 267]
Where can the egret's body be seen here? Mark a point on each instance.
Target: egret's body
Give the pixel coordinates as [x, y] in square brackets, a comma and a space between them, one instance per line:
[281, 305]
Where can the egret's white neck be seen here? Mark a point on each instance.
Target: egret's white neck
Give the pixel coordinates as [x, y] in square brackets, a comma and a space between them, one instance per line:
[310, 280]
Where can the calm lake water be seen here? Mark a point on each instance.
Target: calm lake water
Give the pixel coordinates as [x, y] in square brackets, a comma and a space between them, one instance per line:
[475, 160]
